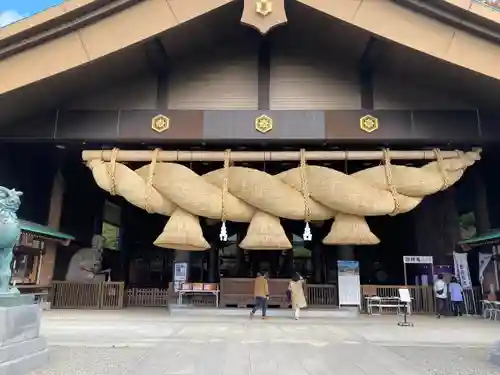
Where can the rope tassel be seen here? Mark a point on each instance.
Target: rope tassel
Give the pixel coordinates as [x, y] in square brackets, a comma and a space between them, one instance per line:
[307, 236]
[388, 180]
[223, 230]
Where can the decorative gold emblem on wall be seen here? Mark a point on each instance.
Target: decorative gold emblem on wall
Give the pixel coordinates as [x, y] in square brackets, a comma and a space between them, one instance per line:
[368, 123]
[264, 7]
[263, 124]
[160, 123]
[263, 15]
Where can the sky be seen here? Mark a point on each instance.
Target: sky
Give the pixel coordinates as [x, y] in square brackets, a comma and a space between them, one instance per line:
[14, 10]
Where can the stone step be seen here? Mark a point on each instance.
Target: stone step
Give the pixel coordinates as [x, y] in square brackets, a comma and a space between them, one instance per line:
[20, 349]
[345, 312]
[25, 364]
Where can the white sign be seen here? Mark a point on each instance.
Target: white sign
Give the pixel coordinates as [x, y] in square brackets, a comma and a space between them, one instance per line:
[417, 259]
[462, 272]
[349, 283]
[180, 274]
[404, 295]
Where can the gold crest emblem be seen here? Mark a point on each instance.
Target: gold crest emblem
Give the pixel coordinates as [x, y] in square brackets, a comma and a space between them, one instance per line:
[160, 123]
[263, 124]
[368, 123]
[264, 7]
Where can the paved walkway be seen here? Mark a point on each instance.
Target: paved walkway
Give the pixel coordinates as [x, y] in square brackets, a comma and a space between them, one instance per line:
[149, 342]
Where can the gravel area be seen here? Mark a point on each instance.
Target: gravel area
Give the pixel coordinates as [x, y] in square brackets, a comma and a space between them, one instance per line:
[92, 361]
[438, 360]
[150, 343]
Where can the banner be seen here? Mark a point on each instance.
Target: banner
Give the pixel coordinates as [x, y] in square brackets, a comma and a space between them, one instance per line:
[484, 261]
[487, 276]
[462, 272]
[349, 283]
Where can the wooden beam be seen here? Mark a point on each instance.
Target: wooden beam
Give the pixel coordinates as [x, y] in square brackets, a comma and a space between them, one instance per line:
[176, 156]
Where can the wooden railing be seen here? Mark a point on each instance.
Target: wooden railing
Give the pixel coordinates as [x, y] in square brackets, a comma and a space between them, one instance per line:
[423, 298]
[321, 295]
[147, 297]
[70, 295]
[234, 292]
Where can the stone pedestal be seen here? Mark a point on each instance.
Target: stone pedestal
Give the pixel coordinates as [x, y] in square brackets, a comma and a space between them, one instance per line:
[22, 350]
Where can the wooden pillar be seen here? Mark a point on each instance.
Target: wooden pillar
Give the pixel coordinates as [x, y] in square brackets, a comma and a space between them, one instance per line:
[213, 264]
[56, 202]
[345, 252]
[437, 226]
[317, 261]
[125, 242]
[481, 211]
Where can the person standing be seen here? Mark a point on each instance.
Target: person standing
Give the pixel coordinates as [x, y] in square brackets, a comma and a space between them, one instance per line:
[261, 294]
[297, 295]
[456, 296]
[441, 292]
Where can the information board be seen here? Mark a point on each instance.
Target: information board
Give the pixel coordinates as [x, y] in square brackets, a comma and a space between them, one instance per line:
[349, 283]
[404, 295]
[180, 274]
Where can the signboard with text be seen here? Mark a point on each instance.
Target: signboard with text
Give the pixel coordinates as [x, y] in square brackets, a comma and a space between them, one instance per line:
[416, 259]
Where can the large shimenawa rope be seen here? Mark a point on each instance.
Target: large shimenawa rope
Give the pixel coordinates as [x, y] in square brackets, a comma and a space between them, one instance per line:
[300, 186]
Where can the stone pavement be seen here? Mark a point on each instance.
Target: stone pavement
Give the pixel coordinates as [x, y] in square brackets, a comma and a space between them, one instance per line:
[147, 341]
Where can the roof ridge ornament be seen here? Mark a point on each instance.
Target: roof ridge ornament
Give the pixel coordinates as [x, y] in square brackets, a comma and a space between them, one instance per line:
[264, 7]
[264, 15]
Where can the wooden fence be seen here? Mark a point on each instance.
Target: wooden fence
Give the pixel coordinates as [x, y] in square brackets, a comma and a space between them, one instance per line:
[70, 295]
[234, 292]
[423, 299]
[321, 295]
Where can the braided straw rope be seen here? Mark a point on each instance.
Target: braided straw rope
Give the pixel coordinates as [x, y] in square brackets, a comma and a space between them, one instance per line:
[388, 179]
[112, 170]
[439, 159]
[303, 185]
[329, 193]
[149, 185]
[227, 161]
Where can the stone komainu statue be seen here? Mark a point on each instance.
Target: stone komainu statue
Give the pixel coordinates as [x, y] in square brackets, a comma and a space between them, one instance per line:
[9, 233]
[86, 264]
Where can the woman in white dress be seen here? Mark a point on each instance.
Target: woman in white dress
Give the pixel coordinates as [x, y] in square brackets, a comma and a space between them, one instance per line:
[297, 295]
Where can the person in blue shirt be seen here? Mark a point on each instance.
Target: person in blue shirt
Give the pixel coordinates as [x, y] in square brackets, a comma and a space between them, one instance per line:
[456, 296]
